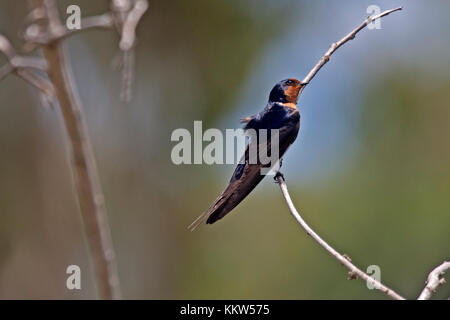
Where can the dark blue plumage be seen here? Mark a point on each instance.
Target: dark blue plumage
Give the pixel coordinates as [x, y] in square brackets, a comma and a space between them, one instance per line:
[280, 113]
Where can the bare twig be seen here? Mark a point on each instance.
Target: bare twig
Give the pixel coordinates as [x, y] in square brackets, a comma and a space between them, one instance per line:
[126, 15]
[44, 86]
[89, 192]
[90, 195]
[435, 279]
[6, 48]
[35, 63]
[131, 21]
[326, 57]
[17, 61]
[345, 261]
[23, 63]
[20, 66]
[126, 93]
[44, 28]
[30, 35]
[103, 21]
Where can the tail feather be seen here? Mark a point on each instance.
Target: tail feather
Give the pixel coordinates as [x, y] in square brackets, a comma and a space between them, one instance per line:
[207, 213]
[200, 219]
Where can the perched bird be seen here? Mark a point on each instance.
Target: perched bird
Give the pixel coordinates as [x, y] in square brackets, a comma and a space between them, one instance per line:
[280, 113]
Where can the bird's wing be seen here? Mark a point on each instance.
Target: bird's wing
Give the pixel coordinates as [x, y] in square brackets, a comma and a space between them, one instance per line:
[245, 178]
[270, 117]
[252, 122]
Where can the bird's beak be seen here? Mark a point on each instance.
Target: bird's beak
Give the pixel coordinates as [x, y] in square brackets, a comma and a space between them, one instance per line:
[302, 86]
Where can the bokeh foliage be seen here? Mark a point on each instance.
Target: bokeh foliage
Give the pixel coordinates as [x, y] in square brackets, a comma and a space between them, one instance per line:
[387, 204]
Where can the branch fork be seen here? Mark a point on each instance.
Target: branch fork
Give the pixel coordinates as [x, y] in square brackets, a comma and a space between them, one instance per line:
[44, 29]
[434, 280]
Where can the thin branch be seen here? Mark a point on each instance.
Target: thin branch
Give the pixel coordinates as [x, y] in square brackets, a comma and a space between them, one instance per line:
[36, 81]
[20, 65]
[126, 15]
[45, 87]
[36, 63]
[89, 192]
[17, 61]
[119, 9]
[90, 195]
[326, 57]
[345, 261]
[435, 279]
[103, 21]
[127, 75]
[129, 26]
[44, 28]
[30, 35]
[6, 48]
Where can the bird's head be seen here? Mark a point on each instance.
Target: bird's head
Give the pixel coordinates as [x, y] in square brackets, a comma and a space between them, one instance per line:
[286, 91]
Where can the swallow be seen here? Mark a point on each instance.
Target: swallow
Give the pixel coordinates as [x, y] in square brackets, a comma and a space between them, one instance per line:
[280, 113]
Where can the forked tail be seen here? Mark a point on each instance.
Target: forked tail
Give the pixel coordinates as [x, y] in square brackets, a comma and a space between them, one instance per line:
[201, 218]
[215, 207]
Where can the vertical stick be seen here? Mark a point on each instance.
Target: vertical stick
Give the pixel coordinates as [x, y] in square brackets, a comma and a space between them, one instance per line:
[87, 181]
[90, 195]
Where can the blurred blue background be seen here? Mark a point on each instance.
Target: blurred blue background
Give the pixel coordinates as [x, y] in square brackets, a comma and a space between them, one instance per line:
[370, 168]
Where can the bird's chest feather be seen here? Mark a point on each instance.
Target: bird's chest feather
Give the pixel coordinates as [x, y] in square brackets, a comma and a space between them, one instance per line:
[279, 115]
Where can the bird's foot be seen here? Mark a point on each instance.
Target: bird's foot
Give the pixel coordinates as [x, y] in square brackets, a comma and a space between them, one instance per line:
[278, 175]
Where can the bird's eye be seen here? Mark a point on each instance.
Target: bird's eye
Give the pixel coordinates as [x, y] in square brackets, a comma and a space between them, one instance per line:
[289, 82]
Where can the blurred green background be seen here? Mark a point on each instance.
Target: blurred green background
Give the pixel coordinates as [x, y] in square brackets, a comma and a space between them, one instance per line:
[370, 170]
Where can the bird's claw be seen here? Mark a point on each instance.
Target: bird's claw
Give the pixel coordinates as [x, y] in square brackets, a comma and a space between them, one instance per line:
[277, 175]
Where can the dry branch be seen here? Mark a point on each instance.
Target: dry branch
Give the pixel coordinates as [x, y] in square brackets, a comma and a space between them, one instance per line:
[434, 280]
[43, 28]
[126, 16]
[336, 45]
[345, 261]
[103, 21]
[89, 192]
[23, 67]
